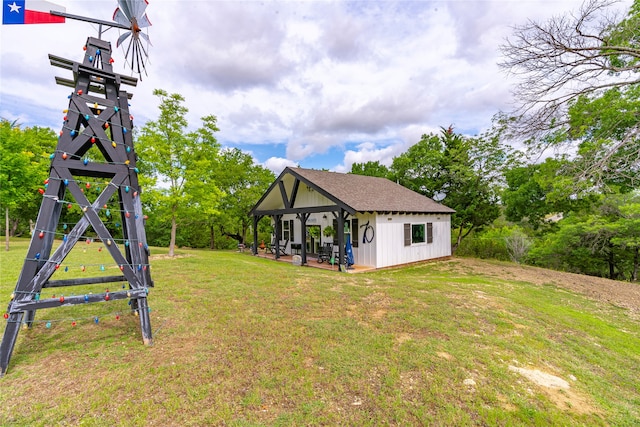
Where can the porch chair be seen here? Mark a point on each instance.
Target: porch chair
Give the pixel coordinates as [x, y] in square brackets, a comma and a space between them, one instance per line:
[324, 252]
[282, 247]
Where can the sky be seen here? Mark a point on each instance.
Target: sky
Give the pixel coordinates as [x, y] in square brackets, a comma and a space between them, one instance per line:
[316, 84]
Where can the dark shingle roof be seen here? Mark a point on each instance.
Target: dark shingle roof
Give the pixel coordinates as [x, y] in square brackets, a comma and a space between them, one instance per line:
[371, 194]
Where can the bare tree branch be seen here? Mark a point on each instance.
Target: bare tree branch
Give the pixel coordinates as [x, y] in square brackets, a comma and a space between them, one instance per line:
[568, 58]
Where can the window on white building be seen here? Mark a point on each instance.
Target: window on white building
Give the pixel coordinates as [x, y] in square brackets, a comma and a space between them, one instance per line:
[418, 233]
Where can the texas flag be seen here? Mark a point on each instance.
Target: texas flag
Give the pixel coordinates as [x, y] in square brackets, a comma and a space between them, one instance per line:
[30, 12]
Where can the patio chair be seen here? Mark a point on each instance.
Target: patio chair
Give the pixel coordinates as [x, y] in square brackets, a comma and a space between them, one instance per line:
[324, 253]
[282, 248]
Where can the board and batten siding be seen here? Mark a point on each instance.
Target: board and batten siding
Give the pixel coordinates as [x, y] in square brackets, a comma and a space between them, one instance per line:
[366, 252]
[308, 197]
[390, 237]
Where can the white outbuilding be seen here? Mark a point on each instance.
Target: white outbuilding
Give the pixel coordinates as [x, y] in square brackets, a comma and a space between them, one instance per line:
[376, 222]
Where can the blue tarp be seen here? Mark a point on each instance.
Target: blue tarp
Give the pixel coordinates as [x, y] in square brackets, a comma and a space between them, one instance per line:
[349, 251]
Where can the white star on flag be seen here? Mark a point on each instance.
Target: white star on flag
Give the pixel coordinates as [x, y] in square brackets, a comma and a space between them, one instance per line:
[14, 7]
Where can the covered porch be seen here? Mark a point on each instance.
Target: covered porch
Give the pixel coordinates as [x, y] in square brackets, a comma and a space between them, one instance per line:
[312, 262]
[294, 196]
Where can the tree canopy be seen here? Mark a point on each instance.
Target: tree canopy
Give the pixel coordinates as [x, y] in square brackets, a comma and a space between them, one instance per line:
[243, 183]
[23, 170]
[372, 168]
[462, 172]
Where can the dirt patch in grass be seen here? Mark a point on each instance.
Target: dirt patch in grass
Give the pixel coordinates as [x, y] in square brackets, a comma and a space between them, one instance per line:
[444, 355]
[378, 304]
[621, 294]
[558, 390]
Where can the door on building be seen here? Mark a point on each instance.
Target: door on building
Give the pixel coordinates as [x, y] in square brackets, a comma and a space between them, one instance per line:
[313, 239]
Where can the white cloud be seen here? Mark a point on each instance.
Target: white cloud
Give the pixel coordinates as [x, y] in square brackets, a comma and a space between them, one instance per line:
[369, 152]
[277, 164]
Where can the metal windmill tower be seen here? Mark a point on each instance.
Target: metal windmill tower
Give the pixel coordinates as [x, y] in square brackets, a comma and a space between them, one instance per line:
[95, 144]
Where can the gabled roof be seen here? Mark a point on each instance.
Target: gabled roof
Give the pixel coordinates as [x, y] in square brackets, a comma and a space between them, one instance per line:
[359, 193]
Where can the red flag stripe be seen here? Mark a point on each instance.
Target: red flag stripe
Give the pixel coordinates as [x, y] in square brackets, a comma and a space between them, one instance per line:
[33, 17]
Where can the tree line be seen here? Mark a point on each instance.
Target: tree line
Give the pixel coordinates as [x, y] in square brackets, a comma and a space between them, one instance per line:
[567, 199]
[196, 193]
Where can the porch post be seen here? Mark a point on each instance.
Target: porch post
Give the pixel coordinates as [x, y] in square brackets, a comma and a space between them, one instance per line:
[341, 260]
[278, 219]
[303, 217]
[254, 248]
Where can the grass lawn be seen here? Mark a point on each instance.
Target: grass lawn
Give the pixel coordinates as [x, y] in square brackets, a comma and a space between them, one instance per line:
[244, 341]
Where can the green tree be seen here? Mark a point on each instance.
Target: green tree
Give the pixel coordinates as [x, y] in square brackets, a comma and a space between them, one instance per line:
[23, 170]
[565, 249]
[625, 230]
[243, 183]
[535, 191]
[605, 129]
[370, 168]
[180, 162]
[463, 172]
[600, 242]
[420, 168]
[524, 198]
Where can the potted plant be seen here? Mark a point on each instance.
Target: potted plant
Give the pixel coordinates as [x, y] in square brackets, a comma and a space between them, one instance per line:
[329, 231]
[314, 232]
